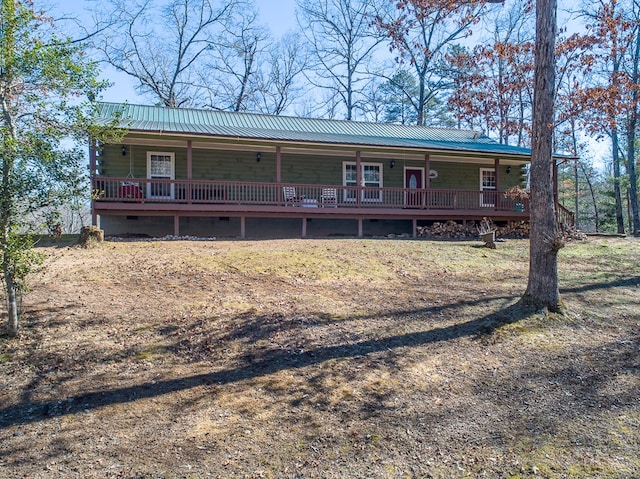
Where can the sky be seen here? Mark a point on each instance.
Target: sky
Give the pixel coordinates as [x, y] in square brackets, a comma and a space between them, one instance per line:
[277, 15]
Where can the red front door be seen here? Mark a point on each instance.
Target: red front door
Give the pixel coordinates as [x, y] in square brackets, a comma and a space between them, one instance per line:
[413, 181]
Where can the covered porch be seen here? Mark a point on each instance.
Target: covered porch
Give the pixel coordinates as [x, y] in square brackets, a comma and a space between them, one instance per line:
[177, 167]
[197, 198]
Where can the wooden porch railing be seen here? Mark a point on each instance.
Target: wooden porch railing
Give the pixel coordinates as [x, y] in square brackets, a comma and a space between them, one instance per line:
[273, 194]
[565, 216]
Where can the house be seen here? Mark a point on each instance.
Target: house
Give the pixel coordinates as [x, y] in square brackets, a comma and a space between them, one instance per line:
[212, 173]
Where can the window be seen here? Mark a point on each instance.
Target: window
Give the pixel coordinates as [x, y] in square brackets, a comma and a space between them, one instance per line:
[160, 166]
[488, 184]
[371, 177]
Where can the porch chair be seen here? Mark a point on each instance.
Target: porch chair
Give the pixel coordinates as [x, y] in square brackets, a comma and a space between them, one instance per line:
[290, 197]
[329, 197]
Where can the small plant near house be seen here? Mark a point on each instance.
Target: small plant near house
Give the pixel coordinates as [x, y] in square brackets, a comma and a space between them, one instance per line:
[519, 194]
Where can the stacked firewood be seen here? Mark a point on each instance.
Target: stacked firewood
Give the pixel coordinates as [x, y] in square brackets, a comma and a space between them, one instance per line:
[449, 229]
[472, 229]
[453, 230]
[514, 229]
[571, 233]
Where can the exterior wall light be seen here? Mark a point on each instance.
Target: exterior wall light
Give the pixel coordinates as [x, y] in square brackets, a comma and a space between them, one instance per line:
[392, 163]
[124, 150]
[258, 157]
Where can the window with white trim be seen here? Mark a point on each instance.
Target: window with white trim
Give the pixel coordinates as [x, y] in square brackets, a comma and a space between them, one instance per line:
[371, 177]
[160, 166]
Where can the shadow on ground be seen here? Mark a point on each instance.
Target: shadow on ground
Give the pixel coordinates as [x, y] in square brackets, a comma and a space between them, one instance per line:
[262, 363]
[271, 360]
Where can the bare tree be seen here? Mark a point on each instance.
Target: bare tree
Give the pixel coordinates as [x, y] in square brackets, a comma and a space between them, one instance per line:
[376, 101]
[277, 79]
[230, 76]
[342, 43]
[420, 31]
[570, 54]
[611, 101]
[160, 46]
[632, 120]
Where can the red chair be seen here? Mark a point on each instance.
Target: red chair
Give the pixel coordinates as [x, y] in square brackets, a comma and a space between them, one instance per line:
[129, 190]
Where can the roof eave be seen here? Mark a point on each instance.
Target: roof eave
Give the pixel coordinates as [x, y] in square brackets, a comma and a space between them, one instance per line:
[422, 149]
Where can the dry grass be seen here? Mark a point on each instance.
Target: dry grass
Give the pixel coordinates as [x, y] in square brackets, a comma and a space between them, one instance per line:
[322, 359]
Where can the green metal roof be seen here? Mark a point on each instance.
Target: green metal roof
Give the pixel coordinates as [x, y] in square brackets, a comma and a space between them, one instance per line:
[211, 123]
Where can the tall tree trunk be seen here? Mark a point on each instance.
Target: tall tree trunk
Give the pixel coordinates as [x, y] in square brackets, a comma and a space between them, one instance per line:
[12, 303]
[542, 289]
[576, 186]
[521, 120]
[615, 155]
[634, 221]
[7, 163]
[421, 100]
[593, 198]
[576, 195]
[7, 258]
[6, 204]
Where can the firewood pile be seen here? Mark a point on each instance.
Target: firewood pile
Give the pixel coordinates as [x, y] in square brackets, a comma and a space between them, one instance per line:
[571, 233]
[450, 229]
[471, 230]
[515, 229]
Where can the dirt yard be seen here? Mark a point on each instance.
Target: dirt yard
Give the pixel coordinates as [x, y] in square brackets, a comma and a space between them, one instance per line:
[347, 358]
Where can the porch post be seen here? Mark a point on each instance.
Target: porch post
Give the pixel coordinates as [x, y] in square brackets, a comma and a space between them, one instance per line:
[415, 228]
[496, 166]
[279, 193]
[242, 227]
[189, 160]
[278, 164]
[427, 168]
[92, 174]
[427, 181]
[359, 181]
[189, 169]
[304, 227]
[176, 226]
[359, 227]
